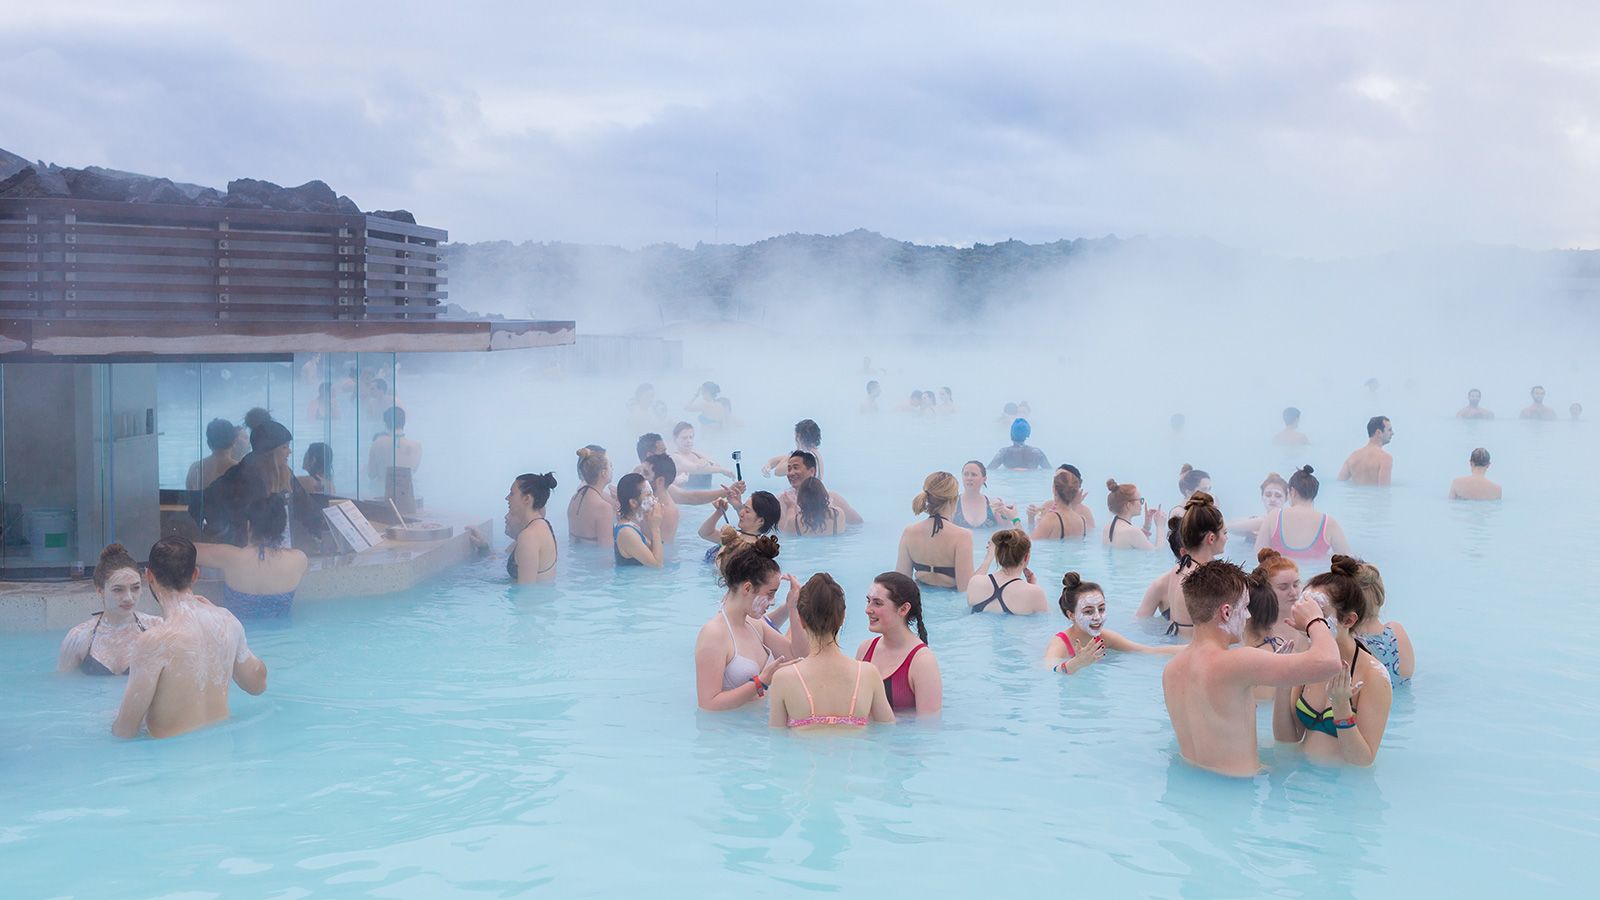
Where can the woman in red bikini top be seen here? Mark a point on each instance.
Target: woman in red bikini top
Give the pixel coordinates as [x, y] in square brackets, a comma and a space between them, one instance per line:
[910, 672]
[1086, 641]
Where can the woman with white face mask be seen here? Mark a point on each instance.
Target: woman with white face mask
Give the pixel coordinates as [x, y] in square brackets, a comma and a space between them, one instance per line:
[1086, 641]
[737, 651]
[103, 645]
[636, 536]
[1274, 494]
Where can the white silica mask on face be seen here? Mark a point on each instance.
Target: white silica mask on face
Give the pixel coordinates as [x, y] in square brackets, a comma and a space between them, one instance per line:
[1235, 622]
[1093, 626]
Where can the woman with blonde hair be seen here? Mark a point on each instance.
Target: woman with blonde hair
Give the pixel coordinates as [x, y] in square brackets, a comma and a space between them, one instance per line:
[1388, 641]
[1125, 502]
[1066, 492]
[987, 593]
[591, 512]
[1199, 534]
[936, 552]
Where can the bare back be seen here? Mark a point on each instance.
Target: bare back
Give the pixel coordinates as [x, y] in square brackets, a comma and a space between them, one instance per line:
[1213, 714]
[1369, 465]
[181, 668]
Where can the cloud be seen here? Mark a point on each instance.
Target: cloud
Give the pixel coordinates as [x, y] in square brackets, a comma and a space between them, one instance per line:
[1348, 129]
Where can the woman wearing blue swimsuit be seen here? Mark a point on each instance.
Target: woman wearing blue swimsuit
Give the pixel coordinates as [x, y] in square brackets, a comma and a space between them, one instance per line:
[636, 537]
[260, 578]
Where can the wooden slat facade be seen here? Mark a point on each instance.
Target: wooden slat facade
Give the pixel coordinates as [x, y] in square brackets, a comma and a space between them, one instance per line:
[67, 259]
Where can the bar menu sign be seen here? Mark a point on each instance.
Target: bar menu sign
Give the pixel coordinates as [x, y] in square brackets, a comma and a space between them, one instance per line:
[352, 527]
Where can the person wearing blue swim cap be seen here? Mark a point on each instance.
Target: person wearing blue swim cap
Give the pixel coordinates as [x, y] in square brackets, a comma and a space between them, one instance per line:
[1020, 455]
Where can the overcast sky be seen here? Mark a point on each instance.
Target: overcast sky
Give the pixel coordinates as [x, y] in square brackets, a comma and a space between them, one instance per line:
[1305, 128]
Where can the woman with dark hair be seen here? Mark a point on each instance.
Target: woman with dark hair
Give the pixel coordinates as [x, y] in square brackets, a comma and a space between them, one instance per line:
[826, 688]
[1201, 534]
[103, 643]
[631, 544]
[534, 551]
[911, 678]
[807, 437]
[1190, 480]
[974, 509]
[1298, 531]
[1066, 494]
[705, 402]
[940, 557]
[222, 437]
[1274, 494]
[736, 652]
[813, 512]
[1125, 502]
[1344, 719]
[760, 516]
[1086, 640]
[694, 468]
[590, 512]
[264, 472]
[318, 466]
[259, 580]
[986, 593]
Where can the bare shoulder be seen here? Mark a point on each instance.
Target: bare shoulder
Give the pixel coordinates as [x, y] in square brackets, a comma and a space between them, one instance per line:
[862, 649]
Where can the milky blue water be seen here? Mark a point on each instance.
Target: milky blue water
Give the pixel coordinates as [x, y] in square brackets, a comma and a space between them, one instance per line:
[469, 739]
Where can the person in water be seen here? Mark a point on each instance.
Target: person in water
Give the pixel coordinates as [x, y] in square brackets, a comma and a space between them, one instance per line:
[1386, 640]
[812, 513]
[259, 579]
[869, 406]
[934, 552]
[179, 670]
[705, 402]
[1472, 410]
[1209, 685]
[591, 511]
[737, 652]
[661, 475]
[103, 643]
[651, 444]
[1064, 519]
[911, 678]
[1086, 639]
[807, 438]
[1008, 414]
[1282, 576]
[760, 516]
[1012, 591]
[801, 466]
[636, 536]
[694, 468]
[1190, 480]
[1274, 494]
[827, 688]
[1020, 456]
[1475, 486]
[973, 508]
[1537, 409]
[534, 550]
[1321, 714]
[1291, 435]
[1297, 530]
[1201, 535]
[1371, 464]
[224, 508]
[222, 437]
[1125, 502]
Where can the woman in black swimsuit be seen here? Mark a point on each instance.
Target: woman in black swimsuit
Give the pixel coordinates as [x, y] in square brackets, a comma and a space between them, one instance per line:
[1059, 521]
[974, 509]
[936, 552]
[103, 644]
[1126, 504]
[533, 554]
[590, 512]
[1011, 591]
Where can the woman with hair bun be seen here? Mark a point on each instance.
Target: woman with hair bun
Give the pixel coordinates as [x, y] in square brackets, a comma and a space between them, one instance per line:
[760, 516]
[1125, 502]
[534, 551]
[911, 678]
[1199, 534]
[1388, 641]
[939, 556]
[1344, 719]
[1274, 494]
[737, 652]
[636, 536]
[1086, 639]
[1280, 574]
[103, 643]
[1066, 492]
[1297, 530]
[827, 688]
[986, 593]
[591, 511]
[1190, 480]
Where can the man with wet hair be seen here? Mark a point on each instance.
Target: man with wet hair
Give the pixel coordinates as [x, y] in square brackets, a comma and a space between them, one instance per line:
[1475, 486]
[1291, 435]
[1371, 464]
[178, 680]
[1210, 686]
[802, 465]
[652, 444]
[1537, 409]
[1472, 410]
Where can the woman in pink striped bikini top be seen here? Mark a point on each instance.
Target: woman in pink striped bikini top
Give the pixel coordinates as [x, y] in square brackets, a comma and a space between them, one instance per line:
[827, 687]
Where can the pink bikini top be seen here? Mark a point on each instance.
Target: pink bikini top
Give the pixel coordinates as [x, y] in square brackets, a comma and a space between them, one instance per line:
[814, 719]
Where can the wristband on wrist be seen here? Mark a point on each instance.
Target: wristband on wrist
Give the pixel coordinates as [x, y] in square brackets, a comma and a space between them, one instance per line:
[761, 689]
[1323, 620]
[1345, 723]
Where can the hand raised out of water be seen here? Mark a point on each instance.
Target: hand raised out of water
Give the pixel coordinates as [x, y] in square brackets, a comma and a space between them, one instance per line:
[794, 583]
[1302, 612]
[766, 471]
[735, 490]
[1340, 690]
[1092, 653]
[773, 665]
[720, 505]
[1027, 575]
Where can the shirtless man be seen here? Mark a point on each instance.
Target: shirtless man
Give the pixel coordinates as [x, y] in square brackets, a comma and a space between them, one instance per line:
[1210, 685]
[1472, 410]
[178, 680]
[652, 444]
[1537, 409]
[802, 465]
[392, 448]
[1476, 486]
[1371, 464]
[1291, 435]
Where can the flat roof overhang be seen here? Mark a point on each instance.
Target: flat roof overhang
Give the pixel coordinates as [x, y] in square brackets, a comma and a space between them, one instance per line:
[156, 340]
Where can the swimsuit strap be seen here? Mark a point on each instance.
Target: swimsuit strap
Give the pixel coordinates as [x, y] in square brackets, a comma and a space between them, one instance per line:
[809, 702]
[1067, 639]
[553, 540]
[853, 694]
[871, 647]
[137, 622]
[938, 522]
[1321, 527]
[1061, 523]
